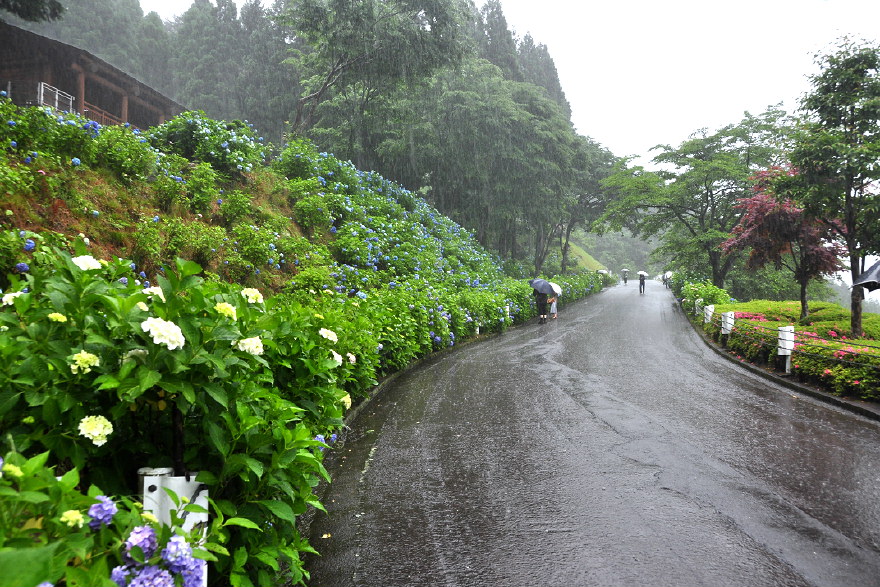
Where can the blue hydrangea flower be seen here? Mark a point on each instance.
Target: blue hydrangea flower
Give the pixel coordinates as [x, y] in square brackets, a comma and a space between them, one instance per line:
[22, 267]
[177, 554]
[102, 512]
[95, 213]
[319, 438]
[123, 280]
[13, 144]
[143, 275]
[29, 245]
[75, 161]
[145, 538]
[155, 219]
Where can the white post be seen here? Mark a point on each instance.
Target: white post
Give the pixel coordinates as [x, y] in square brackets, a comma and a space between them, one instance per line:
[785, 345]
[726, 322]
[157, 501]
[698, 305]
[707, 313]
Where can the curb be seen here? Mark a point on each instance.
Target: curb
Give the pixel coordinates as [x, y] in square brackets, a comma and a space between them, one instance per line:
[868, 410]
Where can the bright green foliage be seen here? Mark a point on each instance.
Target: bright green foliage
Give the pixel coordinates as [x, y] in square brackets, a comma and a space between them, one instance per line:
[836, 153]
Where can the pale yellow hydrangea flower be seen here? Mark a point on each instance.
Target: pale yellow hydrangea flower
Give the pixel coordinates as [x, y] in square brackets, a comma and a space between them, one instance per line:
[252, 295]
[83, 362]
[73, 518]
[227, 310]
[346, 401]
[96, 429]
[13, 471]
[143, 307]
[150, 517]
[56, 317]
[328, 334]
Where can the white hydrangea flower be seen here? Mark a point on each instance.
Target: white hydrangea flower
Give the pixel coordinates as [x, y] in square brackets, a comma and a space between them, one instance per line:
[9, 298]
[96, 429]
[252, 295]
[328, 334]
[351, 358]
[155, 291]
[253, 346]
[86, 262]
[164, 332]
[337, 357]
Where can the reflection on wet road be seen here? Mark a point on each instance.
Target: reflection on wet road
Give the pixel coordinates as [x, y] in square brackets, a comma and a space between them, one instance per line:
[608, 447]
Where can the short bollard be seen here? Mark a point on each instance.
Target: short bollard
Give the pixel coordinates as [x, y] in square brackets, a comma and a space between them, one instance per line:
[707, 313]
[785, 345]
[727, 322]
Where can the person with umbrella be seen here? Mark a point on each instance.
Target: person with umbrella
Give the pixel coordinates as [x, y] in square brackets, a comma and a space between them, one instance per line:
[642, 276]
[543, 289]
[625, 275]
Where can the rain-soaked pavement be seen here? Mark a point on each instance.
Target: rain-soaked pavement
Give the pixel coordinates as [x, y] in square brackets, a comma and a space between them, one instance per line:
[608, 447]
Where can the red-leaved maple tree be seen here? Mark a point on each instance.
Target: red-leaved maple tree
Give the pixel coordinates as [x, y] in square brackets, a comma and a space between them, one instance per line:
[777, 231]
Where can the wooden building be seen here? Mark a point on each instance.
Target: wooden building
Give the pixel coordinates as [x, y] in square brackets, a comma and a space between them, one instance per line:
[36, 70]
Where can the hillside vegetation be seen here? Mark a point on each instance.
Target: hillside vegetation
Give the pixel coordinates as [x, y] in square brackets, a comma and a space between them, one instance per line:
[180, 297]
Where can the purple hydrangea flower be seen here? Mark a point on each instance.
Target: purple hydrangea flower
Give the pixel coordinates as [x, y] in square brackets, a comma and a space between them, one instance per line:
[145, 538]
[29, 245]
[102, 512]
[123, 280]
[119, 575]
[152, 576]
[177, 554]
[22, 267]
[194, 574]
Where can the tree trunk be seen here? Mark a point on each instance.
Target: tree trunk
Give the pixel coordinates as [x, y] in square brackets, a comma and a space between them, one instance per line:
[805, 308]
[855, 300]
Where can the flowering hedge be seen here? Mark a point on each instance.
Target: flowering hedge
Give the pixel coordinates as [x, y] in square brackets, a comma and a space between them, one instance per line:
[823, 353]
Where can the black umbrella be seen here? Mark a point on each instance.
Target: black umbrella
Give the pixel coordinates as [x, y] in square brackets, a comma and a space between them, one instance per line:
[542, 286]
[870, 279]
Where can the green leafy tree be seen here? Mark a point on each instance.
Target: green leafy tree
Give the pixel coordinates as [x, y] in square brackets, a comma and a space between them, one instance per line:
[692, 207]
[375, 44]
[837, 150]
[33, 10]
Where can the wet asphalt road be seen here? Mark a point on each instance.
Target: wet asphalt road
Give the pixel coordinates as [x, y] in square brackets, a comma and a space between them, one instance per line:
[608, 447]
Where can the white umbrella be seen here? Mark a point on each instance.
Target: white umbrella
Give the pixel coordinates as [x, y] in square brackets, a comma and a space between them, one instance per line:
[625, 270]
[645, 273]
[556, 288]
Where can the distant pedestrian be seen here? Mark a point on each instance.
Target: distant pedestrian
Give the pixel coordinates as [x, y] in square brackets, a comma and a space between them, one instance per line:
[641, 283]
[541, 302]
[553, 312]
